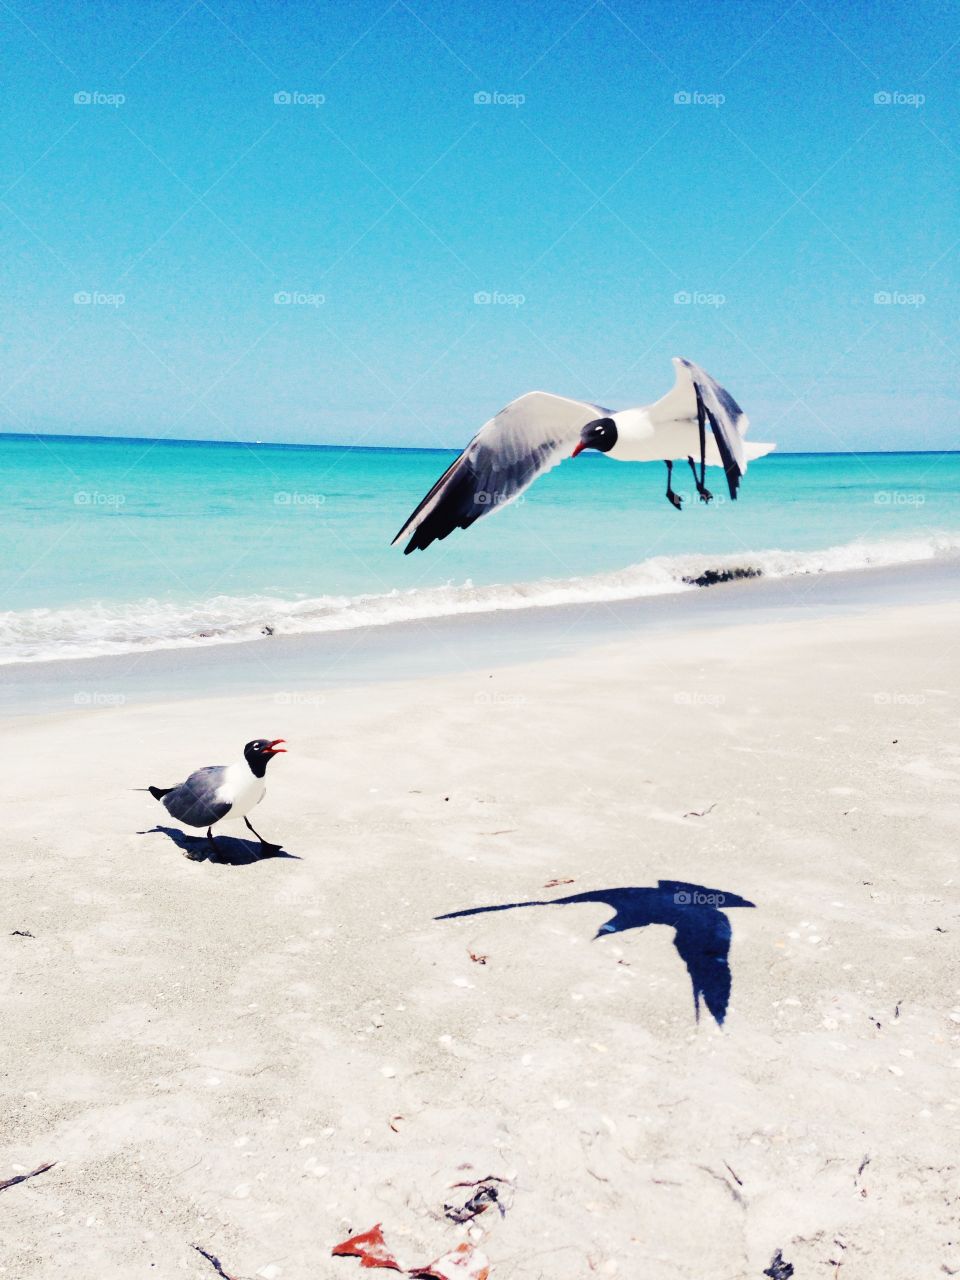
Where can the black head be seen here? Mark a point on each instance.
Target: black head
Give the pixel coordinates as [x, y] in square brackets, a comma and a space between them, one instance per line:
[600, 434]
[259, 752]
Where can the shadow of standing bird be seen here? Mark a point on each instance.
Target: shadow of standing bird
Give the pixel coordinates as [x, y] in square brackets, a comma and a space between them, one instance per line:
[229, 850]
[697, 915]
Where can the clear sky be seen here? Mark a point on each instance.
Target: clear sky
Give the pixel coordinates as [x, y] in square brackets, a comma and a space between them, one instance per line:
[783, 198]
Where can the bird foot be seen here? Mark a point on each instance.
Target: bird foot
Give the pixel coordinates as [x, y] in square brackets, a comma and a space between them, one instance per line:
[675, 500]
[705, 495]
[269, 850]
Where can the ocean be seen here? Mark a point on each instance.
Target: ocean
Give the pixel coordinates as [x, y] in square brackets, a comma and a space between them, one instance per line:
[121, 545]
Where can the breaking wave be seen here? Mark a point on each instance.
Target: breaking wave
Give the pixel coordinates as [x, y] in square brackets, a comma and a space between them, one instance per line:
[40, 635]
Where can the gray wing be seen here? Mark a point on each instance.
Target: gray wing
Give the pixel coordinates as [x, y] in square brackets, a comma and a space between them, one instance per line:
[195, 801]
[530, 436]
[696, 396]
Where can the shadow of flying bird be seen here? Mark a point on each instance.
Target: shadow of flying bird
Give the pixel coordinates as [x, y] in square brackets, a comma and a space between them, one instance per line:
[697, 915]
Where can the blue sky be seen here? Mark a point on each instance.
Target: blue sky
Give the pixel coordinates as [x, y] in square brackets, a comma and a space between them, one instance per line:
[781, 199]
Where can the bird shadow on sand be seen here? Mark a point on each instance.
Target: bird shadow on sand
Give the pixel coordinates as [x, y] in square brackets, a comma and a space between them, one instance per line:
[230, 851]
[702, 929]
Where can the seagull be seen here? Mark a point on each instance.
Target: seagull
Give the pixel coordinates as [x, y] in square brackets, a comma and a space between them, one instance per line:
[222, 791]
[538, 430]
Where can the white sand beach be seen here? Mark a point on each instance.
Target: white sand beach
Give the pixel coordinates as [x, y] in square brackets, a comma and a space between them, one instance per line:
[263, 1057]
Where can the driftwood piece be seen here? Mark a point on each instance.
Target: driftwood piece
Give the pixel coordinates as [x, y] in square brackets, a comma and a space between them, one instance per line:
[214, 1262]
[22, 1177]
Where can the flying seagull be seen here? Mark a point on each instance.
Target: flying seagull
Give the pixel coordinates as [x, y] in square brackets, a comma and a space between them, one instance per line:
[222, 791]
[537, 431]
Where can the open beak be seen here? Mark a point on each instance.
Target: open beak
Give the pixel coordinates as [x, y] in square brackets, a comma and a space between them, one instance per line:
[579, 449]
[273, 748]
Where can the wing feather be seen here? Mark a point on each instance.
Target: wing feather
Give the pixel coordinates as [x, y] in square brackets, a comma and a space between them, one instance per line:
[529, 437]
[694, 391]
[195, 802]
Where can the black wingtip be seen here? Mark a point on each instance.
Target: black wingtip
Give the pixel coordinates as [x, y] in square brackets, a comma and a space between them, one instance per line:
[415, 544]
[731, 468]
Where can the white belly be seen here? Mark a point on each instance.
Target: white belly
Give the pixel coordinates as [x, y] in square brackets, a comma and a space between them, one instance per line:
[241, 790]
[639, 440]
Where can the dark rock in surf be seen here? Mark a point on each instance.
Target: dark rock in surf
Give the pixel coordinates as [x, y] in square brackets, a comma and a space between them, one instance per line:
[710, 577]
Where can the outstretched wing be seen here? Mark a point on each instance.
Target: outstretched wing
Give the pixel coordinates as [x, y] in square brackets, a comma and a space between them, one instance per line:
[195, 801]
[530, 436]
[696, 397]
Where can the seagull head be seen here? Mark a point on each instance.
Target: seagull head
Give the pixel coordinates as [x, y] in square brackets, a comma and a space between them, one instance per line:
[259, 752]
[600, 434]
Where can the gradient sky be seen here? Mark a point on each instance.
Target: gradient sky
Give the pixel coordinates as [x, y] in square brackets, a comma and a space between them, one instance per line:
[782, 210]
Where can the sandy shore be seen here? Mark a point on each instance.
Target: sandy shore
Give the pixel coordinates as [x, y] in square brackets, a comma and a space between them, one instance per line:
[261, 1057]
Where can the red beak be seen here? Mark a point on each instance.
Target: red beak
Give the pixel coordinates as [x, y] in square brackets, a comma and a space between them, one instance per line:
[274, 749]
[579, 449]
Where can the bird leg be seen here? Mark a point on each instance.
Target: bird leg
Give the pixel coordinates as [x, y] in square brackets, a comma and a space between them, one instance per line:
[701, 483]
[673, 498]
[704, 492]
[266, 848]
[214, 851]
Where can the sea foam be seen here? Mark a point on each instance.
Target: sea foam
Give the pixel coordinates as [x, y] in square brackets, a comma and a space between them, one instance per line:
[39, 635]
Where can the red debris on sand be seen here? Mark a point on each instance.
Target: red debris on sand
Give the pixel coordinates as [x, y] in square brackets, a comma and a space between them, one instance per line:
[370, 1248]
[462, 1263]
[552, 884]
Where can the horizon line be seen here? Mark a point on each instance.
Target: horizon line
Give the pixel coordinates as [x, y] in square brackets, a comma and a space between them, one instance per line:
[390, 448]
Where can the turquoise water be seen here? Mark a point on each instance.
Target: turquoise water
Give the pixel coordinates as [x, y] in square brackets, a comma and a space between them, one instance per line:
[118, 545]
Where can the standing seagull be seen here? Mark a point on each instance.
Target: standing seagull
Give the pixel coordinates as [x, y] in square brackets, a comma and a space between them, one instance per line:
[222, 791]
[537, 431]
